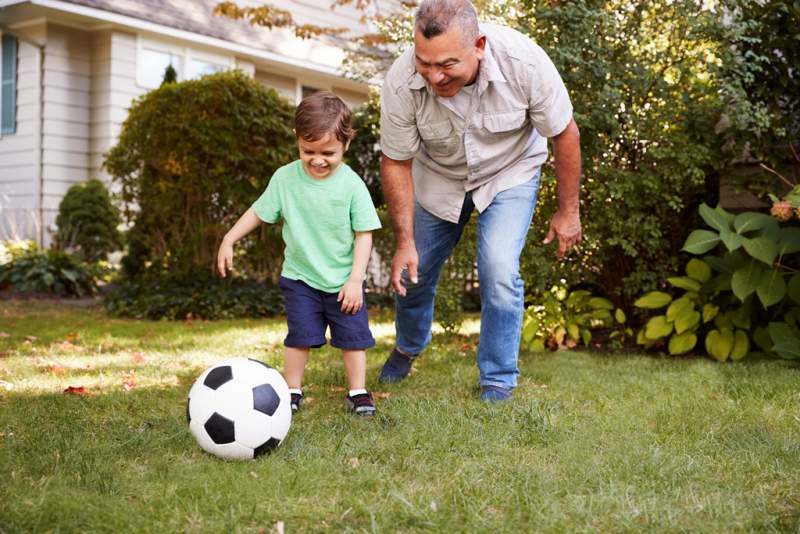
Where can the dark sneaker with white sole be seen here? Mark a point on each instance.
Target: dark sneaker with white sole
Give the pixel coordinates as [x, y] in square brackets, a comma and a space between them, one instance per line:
[397, 367]
[361, 404]
[295, 401]
[493, 394]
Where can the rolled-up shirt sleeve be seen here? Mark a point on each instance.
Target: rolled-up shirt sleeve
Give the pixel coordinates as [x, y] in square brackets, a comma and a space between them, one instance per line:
[399, 134]
[549, 106]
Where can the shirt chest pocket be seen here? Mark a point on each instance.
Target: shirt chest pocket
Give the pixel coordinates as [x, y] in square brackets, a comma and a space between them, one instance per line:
[336, 215]
[439, 138]
[504, 122]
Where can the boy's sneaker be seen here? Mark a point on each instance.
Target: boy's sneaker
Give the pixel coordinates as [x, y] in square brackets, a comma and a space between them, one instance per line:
[397, 367]
[493, 394]
[296, 400]
[361, 404]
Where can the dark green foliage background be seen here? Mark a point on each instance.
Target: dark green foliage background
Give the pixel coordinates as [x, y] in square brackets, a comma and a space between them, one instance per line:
[88, 222]
[191, 158]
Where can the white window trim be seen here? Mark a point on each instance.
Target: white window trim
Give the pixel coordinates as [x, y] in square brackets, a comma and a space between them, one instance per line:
[186, 53]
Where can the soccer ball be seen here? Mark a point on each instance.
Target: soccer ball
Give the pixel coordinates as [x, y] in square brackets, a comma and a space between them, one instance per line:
[239, 409]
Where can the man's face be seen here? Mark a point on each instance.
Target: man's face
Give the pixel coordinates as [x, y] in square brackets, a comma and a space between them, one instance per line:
[446, 62]
[322, 157]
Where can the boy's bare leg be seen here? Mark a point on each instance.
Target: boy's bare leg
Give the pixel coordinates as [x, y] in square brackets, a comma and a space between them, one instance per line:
[355, 365]
[294, 365]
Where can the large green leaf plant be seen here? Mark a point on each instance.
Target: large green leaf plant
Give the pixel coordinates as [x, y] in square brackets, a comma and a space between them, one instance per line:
[749, 293]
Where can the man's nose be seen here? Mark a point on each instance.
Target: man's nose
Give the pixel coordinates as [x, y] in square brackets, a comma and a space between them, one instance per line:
[437, 76]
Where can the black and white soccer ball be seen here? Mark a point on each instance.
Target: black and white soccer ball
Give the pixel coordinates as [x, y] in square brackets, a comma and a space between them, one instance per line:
[239, 409]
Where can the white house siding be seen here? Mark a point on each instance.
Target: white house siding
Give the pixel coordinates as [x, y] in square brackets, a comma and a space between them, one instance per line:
[112, 91]
[285, 85]
[66, 124]
[20, 152]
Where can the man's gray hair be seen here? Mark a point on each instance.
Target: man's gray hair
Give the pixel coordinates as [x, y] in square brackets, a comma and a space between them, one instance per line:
[435, 17]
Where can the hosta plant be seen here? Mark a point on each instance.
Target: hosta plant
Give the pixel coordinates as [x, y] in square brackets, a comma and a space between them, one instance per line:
[751, 292]
[563, 319]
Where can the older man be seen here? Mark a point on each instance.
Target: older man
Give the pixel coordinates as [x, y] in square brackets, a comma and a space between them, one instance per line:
[465, 117]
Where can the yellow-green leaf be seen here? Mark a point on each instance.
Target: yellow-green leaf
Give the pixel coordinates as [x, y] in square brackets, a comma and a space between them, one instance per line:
[683, 343]
[741, 345]
[619, 315]
[657, 327]
[653, 300]
[709, 312]
[686, 321]
[698, 270]
[719, 343]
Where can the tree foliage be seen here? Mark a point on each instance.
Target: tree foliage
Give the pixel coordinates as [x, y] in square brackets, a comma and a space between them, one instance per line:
[88, 222]
[191, 158]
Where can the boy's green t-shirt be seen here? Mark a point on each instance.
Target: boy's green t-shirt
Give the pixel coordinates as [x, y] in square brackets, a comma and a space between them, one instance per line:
[319, 218]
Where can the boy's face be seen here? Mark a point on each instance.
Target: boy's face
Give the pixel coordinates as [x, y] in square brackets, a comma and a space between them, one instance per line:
[322, 157]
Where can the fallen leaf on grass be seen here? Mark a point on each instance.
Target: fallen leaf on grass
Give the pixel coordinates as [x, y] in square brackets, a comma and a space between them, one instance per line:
[72, 336]
[354, 462]
[56, 369]
[5, 353]
[137, 357]
[5, 334]
[31, 338]
[129, 381]
[337, 389]
[381, 394]
[77, 390]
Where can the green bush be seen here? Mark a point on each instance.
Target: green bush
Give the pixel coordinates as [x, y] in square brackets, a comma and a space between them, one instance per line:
[191, 158]
[751, 292]
[87, 222]
[204, 296]
[29, 270]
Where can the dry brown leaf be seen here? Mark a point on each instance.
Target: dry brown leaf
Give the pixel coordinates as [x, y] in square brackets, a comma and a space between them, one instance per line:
[72, 336]
[337, 389]
[137, 357]
[381, 394]
[77, 390]
[5, 334]
[56, 369]
[31, 338]
[354, 462]
[129, 381]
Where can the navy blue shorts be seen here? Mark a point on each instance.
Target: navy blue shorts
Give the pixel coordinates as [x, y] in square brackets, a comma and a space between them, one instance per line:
[310, 311]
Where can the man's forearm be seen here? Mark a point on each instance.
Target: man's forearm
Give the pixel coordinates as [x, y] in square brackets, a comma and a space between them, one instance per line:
[567, 159]
[398, 191]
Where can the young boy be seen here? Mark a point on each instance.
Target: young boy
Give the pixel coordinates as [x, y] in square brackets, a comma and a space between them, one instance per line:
[327, 219]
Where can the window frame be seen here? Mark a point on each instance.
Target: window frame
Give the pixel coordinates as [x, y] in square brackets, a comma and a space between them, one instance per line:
[185, 53]
[11, 83]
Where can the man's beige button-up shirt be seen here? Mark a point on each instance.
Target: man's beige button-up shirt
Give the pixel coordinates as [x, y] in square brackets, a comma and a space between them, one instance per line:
[519, 100]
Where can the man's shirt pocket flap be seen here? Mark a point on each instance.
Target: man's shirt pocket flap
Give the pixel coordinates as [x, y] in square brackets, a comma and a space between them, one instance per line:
[436, 130]
[506, 121]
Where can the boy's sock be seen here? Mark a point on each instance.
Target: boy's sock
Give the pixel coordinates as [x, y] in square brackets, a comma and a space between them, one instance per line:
[354, 392]
[296, 398]
[361, 403]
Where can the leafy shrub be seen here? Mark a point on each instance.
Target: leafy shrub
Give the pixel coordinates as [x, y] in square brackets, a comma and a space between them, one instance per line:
[171, 296]
[191, 158]
[87, 222]
[561, 318]
[30, 270]
[745, 292]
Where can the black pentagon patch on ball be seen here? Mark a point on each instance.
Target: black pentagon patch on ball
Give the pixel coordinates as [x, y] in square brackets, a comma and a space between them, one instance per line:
[220, 429]
[218, 376]
[266, 447]
[265, 399]
[262, 363]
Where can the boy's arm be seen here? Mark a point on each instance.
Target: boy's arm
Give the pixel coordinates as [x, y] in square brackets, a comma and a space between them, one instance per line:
[361, 250]
[248, 222]
[351, 294]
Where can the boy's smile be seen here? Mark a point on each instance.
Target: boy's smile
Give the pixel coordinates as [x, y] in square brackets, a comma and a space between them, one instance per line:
[321, 158]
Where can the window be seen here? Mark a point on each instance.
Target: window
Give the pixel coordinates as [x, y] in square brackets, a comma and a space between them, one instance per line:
[155, 56]
[8, 85]
[198, 68]
[307, 91]
[153, 64]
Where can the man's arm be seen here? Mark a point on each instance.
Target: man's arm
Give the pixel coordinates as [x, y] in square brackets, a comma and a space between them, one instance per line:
[566, 223]
[398, 190]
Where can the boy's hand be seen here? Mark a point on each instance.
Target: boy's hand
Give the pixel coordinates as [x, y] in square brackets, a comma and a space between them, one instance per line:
[351, 296]
[225, 258]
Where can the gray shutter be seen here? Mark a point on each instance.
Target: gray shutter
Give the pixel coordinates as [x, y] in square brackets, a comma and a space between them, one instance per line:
[8, 86]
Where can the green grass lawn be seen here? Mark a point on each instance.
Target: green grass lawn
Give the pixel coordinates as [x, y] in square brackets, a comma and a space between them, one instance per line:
[608, 443]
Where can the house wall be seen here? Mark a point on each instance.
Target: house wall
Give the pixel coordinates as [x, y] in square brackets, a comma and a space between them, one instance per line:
[66, 117]
[20, 152]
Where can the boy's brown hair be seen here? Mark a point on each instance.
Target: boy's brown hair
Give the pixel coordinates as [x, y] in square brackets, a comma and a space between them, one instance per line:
[320, 114]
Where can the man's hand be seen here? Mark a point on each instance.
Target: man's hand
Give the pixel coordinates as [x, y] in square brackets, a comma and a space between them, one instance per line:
[225, 258]
[405, 258]
[566, 226]
[351, 296]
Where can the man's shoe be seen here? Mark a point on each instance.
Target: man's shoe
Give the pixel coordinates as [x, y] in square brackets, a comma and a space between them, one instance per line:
[361, 404]
[397, 367]
[493, 394]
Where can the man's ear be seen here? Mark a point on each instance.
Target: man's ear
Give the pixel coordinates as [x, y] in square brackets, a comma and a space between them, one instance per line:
[480, 46]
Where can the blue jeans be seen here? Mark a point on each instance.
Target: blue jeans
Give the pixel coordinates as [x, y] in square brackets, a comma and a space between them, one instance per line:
[502, 228]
